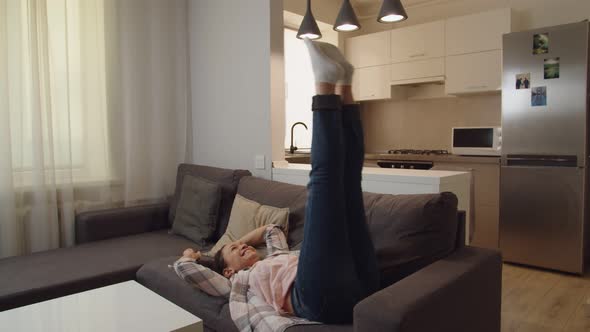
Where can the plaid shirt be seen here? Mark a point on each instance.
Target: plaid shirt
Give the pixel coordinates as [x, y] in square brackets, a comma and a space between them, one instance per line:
[248, 311]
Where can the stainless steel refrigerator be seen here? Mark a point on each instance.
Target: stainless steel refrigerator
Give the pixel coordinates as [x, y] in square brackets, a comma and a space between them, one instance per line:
[543, 176]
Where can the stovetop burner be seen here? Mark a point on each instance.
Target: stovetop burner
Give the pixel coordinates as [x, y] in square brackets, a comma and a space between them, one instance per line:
[425, 152]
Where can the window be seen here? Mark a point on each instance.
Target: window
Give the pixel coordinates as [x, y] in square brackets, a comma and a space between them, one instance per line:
[299, 81]
[300, 88]
[57, 89]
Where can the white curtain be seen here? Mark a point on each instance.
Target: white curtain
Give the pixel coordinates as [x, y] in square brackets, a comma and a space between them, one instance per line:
[93, 111]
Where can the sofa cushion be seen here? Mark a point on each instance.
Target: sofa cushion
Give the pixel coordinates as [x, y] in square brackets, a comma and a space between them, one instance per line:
[197, 210]
[248, 215]
[227, 178]
[410, 232]
[281, 195]
[55, 273]
[214, 311]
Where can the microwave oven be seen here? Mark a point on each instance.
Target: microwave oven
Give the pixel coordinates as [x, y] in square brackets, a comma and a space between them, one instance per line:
[477, 141]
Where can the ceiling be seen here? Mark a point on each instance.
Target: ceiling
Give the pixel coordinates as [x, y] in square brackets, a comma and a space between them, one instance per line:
[373, 2]
[366, 4]
[367, 8]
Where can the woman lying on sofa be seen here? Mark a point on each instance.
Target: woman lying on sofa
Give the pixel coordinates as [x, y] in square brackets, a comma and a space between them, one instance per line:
[336, 267]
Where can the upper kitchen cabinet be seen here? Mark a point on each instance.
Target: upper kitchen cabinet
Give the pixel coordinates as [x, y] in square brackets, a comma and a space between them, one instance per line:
[474, 73]
[372, 83]
[473, 62]
[418, 42]
[477, 33]
[414, 72]
[369, 50]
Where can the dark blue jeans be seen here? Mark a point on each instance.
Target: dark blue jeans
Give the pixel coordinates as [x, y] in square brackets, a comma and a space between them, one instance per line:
[337, 265]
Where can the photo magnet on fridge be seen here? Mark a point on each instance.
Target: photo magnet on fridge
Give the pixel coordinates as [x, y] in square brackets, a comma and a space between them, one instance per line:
[539, 96]
[523, 81]
[551, 67]
[541, 43]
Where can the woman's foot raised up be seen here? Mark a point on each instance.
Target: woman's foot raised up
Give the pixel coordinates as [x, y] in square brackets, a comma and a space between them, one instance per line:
[326, 71]
[334, 53]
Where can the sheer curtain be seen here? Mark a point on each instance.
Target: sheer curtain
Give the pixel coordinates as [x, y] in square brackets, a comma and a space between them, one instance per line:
[93, 111]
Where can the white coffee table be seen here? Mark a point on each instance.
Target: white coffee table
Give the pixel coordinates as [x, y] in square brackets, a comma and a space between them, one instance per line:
[127, 306]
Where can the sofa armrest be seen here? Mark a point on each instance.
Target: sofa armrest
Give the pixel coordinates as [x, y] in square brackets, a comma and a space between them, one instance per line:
[461, 292]
[105, 224]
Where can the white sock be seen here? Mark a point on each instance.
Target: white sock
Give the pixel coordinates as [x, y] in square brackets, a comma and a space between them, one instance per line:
[334, 53]
[325, 70]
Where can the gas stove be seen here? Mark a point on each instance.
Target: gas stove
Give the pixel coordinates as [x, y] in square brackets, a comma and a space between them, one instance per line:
[422, 152]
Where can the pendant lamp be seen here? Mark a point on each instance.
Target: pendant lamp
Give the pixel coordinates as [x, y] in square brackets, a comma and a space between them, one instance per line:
[392, 11]
[346, 20]
[309, 28]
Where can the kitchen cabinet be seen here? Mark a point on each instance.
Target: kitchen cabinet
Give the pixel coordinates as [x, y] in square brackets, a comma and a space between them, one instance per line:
[417, 71]
[372, 83]
[463, 52]
[486, 198]
[474, 72]
[478, 32]
[369, 50]
[418, 42]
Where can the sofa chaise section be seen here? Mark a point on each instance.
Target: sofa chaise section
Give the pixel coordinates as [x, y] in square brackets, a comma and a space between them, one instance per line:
[112, 245]
[55, 273]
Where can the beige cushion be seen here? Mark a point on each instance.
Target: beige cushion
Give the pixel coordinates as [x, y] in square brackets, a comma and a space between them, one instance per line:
[247, 215]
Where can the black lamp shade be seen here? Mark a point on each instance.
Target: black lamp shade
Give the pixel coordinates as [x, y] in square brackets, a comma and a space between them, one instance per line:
[309, 28]
[392, 11]
[346, 20]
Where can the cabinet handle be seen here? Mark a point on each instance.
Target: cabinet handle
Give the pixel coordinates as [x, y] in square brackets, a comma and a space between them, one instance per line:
[417, 55]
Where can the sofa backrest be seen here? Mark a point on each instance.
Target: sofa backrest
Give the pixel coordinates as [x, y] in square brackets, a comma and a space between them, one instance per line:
[227, 178]
[409, 231]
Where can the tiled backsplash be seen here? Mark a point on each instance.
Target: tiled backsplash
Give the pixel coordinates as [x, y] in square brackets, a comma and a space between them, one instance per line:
[425, 124]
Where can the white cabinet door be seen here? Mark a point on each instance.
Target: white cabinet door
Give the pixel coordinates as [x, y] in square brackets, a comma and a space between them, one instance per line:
[478, 32]
[473, 73]
[418, 42]
[402, 72]
[368, 50]
[372, 83]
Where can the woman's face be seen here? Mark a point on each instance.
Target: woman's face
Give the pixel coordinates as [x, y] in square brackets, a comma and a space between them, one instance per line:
[238, 256]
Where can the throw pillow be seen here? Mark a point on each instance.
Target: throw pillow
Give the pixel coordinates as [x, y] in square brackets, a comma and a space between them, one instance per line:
[197, 210]
[247, 215]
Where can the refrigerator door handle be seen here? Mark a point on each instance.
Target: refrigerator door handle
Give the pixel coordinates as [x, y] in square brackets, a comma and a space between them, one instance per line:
[542, 161]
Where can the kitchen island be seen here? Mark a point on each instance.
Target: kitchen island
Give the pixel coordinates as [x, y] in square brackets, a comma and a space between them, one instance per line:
[393, 181]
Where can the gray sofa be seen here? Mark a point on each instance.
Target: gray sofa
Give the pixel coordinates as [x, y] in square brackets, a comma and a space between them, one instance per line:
[430, 280]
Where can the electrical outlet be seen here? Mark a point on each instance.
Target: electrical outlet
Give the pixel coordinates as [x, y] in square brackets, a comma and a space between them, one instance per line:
[260, 162]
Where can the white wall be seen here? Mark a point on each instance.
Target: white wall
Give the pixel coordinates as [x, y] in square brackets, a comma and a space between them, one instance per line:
[236, 82]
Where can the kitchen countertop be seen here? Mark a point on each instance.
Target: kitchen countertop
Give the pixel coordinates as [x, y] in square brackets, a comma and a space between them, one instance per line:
[387, 174]
[451, 158]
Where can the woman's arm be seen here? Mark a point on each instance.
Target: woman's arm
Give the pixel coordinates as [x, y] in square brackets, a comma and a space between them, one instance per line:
[254, 238]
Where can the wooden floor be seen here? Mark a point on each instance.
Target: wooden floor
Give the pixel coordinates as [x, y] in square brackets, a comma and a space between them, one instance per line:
[542, 301]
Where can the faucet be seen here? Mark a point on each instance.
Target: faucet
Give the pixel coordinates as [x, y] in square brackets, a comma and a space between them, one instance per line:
[293, 148]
